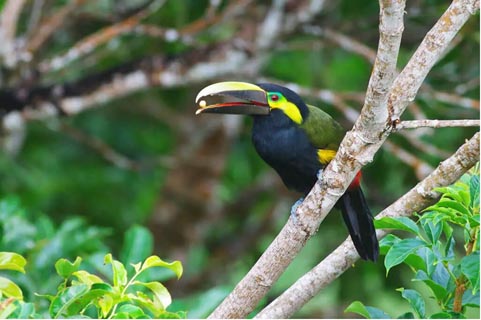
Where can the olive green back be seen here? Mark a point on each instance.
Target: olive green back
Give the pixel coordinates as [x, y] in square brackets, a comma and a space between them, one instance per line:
[323, 131]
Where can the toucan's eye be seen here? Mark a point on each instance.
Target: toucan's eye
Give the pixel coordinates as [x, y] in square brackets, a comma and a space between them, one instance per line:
[274, 97]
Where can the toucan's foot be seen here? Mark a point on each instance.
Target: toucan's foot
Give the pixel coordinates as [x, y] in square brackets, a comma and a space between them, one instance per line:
[319, 174]
[294, 209]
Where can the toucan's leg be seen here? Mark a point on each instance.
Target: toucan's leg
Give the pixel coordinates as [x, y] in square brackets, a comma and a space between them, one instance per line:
[319, 173]
[294, 208]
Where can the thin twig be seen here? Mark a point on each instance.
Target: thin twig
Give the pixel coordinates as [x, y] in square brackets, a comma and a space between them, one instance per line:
[91, 42]
[8, 29]
[53, 23]
[414, 124]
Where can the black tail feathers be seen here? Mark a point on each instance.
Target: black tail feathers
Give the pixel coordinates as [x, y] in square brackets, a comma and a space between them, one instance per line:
[359, 221]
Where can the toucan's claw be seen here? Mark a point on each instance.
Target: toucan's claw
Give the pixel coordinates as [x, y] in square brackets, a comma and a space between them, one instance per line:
[294, 209]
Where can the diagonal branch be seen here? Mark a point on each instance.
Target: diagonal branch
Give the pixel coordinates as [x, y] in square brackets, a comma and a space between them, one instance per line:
[48, 27]
[341, 259]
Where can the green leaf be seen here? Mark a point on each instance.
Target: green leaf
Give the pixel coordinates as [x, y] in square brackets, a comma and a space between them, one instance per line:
[171, 315]
[359, 308]
[86, 277]
[399, 223]
[155, 261]
[474, 191]
[144, 301]
[12, 261]
[455, 205]
[65, 268]
[439, 291]
[407, 315]
[415, 262]
[98, 292]
[387, 242]
[427, 255]
[442, 277]
[367, 312]
[133, 311]
[138, 245]
[400, 251]
[415, 300]
[7, 310]
[471, 299]
[470, 268]
[474, 221]
[433, 230]
[161, 294]
[9, 289]
[119, 272]
[105, 303]
[65, 299]
[24, 310]
[441, 315]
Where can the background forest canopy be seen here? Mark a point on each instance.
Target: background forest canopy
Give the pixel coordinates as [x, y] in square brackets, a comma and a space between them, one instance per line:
[101, 151]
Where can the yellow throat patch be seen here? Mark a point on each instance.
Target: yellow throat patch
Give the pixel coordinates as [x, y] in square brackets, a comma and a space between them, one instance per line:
[289, 108]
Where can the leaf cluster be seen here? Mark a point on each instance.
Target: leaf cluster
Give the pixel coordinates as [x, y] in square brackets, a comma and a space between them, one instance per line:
[451, 275]
[94, 286]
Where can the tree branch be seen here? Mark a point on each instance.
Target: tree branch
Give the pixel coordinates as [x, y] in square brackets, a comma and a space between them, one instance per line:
[8, 29]
[414, 124]
[357, 148]
[292, 238]
[341, 259]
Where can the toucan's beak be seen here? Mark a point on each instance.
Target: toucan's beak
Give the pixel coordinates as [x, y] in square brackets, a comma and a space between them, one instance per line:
[232, 98]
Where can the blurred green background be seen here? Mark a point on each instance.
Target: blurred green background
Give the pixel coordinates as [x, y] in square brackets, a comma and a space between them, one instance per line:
[197, 183]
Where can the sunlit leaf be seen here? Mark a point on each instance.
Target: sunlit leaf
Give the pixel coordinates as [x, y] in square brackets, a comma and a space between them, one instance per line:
[455, 205]
[106, 302]
[9, 289]
[65, 268]
[161, 294]
[86, 277]
[366, 311]
[97, 292]
[12, 261]
[133, 312]
[65, 298]
[155, 261]
[118, 270]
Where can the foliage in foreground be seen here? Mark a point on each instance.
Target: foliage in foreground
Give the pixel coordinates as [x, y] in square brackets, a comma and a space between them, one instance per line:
[86, 295]
[80, 289]
[450, 275]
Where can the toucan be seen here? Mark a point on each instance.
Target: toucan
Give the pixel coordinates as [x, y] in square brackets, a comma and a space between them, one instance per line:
[298, 141]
